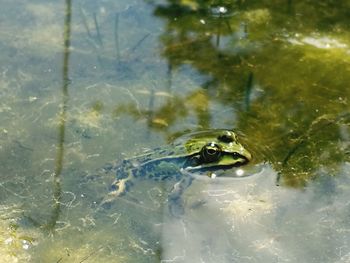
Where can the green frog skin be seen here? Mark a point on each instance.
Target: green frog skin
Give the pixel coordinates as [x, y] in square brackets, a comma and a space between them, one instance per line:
[195, 153]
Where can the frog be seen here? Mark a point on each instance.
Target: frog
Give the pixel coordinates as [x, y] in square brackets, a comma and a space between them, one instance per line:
[197, 153]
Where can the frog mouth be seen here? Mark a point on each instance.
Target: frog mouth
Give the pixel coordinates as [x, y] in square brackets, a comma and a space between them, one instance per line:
[227, 161]
[244, 159]
[234, 159]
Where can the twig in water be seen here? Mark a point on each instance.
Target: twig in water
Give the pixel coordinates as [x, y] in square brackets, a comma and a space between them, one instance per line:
[140, 42]
[98, 33]
[91, 254]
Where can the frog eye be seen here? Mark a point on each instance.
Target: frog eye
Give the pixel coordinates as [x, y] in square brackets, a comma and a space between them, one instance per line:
[210, 152]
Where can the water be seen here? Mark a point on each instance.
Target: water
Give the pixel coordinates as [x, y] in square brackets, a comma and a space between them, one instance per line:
[84, 83]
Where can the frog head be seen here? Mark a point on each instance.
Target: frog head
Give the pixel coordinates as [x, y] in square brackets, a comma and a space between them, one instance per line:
[215, 149]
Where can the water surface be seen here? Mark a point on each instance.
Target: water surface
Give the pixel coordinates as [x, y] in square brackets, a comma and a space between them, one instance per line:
[86, 83]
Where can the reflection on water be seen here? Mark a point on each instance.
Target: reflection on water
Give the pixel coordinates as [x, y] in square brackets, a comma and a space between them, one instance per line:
[142, 73]
[252, 221]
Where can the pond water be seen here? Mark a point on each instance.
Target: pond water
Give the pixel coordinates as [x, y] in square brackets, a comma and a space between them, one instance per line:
[85, 83]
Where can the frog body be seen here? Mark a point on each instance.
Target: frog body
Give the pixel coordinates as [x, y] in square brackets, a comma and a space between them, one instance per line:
[200, 152]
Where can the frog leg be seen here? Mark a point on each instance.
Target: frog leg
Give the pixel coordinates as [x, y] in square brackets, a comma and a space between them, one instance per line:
[175, 201]
[124, 180]
[120, 186]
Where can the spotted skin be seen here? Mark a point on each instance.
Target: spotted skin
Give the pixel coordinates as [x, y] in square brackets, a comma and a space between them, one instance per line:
[127, 174]
[202, 151]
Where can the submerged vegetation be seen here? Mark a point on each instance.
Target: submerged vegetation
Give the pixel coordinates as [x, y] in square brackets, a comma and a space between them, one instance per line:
[282, 68]
[93, 81]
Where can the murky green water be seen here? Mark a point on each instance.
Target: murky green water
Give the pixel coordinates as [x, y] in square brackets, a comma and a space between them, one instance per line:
[85, 83]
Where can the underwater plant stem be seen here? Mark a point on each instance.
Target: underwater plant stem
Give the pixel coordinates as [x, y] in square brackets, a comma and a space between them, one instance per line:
[57, 188]
[85, 23]
[248, 91]
[140, 42]
[116, 36]
[98, 32]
